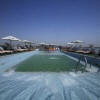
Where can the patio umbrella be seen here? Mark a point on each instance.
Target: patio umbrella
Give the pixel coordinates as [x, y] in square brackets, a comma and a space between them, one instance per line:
[77, 41]
[70, 43]
[42, 43]
[26, 41]
[11, 38]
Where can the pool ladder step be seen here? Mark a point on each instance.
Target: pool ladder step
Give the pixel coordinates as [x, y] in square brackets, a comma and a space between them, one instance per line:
[79, 62]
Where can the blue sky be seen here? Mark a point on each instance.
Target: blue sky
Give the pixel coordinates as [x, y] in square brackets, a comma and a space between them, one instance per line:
[53, 21]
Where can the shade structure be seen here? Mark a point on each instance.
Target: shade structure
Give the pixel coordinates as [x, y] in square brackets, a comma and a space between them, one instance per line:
[69, 43]
[27, 42]
[53, 44]
[11, 38]
[77, 41]
[42, 43]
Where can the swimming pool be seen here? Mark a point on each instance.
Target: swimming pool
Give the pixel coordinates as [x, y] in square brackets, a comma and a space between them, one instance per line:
[46, 85]
[45, 61]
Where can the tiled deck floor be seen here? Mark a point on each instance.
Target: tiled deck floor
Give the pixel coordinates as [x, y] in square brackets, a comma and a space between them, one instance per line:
[49, 86]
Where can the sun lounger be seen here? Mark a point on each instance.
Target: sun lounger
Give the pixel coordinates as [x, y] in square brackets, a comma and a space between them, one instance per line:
[3, 52]
[81, 51]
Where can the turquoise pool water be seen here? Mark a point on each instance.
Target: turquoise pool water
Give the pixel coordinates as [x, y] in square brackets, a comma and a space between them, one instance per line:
[47, 61]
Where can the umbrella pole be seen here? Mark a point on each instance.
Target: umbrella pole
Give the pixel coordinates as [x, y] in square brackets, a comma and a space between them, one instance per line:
[25, 44]
[10, 44]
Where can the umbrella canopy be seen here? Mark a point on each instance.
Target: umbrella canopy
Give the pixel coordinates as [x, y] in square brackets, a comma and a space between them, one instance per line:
[42, 43]
[26, 41]
[70, 43]
[53, 44]
[12, 38]
[77, 41]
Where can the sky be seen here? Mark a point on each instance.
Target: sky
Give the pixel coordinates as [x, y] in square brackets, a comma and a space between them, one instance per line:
[51, 21]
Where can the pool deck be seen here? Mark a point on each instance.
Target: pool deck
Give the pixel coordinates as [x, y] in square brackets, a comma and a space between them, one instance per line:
[49, 86]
